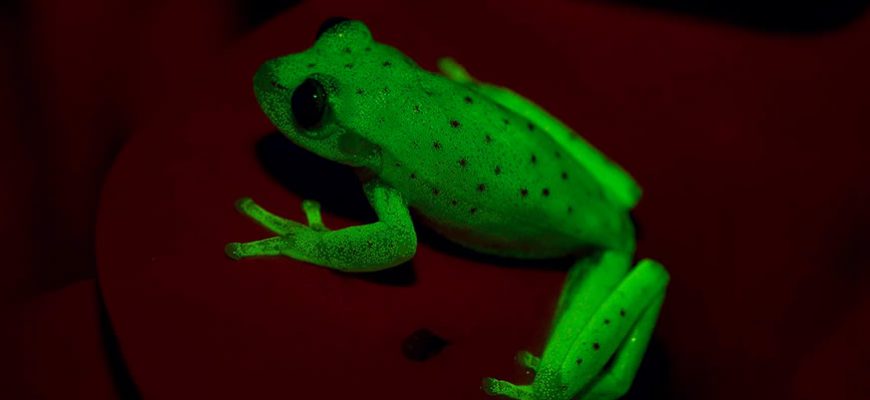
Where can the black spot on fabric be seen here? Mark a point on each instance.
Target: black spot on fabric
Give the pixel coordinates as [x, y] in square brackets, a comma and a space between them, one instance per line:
[570, 209]
[416, 108]
[422, 345]
[386, 89]
[437, 145]
[413, 175]
[387, 64]
[497, 170]
[348, 66]
[564, 176]
[454, 123]
[487, 139]
[579, 361]
[606, 322]
[481, 187]
[506, 121]
[534, 159]
[435, 191]
[596, 346]
[545, 192]
[524, 192]
[473, 210]
[360, 92]
[453, 202]
[621, 312]
[463, 163]
[311, 65]
[530, 126]
[468, 100]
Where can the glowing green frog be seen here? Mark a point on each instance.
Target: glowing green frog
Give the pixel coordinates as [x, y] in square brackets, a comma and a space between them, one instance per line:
[486, 168]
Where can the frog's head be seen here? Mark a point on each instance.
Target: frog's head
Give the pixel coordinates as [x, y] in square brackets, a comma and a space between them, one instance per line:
[310, 96]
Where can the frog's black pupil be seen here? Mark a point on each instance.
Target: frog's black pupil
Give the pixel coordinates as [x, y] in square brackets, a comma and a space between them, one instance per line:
[308, 103]
[329, 23]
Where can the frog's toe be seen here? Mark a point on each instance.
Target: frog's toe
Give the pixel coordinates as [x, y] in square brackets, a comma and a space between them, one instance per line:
[527, 360]
[496, 387]
[232, 250]
[243, 204]
[311, 208]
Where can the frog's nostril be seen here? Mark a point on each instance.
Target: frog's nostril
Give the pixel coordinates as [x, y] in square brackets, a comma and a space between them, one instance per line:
[277, 85]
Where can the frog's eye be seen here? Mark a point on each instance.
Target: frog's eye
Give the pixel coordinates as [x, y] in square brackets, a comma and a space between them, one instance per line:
[329, 23]
[308, 103]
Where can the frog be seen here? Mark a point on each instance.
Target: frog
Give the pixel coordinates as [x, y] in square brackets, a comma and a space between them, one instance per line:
[482, 166]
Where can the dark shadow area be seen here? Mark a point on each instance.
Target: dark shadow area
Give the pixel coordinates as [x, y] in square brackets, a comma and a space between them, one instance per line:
[653, 376]
[782, 16]
[422, 345]
[402, 275]
[310, 176]
[254, 13]
[121, 377]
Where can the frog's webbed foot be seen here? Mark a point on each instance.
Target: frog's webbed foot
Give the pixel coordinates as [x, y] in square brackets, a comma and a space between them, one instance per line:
[600, 335]
[496, 387]
[279, 225]
[386, 243]
[290, 233]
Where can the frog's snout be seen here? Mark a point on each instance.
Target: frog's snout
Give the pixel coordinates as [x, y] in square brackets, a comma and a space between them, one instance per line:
[264, 79]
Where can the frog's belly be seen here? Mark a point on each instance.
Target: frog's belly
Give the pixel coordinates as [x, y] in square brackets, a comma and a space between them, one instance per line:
[540, 238]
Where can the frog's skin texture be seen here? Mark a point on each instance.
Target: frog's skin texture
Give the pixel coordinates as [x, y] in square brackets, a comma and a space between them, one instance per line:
[488, 169]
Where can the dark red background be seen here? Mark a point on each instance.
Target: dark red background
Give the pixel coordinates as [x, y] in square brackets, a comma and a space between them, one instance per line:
[749, 140]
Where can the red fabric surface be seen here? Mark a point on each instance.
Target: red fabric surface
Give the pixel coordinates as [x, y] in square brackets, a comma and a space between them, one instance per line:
[749, 146]
[55, 345]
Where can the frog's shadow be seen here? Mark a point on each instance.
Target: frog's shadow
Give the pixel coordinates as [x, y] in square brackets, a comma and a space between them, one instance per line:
[338, 190]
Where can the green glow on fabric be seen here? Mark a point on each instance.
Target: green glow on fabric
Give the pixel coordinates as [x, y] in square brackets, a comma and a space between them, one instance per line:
[486, 168]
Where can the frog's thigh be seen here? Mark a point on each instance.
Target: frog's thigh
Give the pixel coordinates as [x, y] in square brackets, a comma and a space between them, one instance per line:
[623, 323]
[587, 286]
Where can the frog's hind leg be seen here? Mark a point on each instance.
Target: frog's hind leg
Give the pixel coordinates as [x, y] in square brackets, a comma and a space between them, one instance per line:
[615, 381]
[618, 328]
[602, 311]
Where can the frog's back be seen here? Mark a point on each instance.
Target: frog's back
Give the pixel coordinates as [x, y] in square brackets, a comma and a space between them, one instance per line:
[492, 180]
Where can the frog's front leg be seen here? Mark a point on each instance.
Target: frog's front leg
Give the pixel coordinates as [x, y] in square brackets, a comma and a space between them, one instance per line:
[603, 315]
[383, 244]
